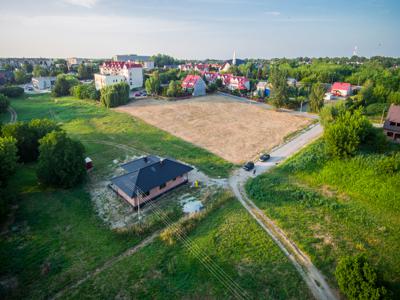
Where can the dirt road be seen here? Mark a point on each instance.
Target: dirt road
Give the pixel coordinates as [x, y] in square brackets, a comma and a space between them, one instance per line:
[13, 114]
[311, 275]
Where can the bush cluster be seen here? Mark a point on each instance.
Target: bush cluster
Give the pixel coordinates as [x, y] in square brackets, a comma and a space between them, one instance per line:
[115, 95]
[12, 91]
[85, 91]
[4, 103]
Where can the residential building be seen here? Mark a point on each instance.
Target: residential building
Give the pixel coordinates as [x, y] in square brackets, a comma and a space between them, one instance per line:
[112, 72]
[211, 77]
[232, 82]
[149, 177]
[341, 89]
[74, 61]
[194, 84]
[391, 126]
[145, 61]
[43, 83]
[262, 89]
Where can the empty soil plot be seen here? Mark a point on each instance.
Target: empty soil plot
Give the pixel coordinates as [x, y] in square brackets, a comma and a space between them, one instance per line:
[232, 129]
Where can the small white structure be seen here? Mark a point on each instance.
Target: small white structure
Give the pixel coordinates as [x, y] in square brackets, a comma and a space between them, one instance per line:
[192, 207]
[328, 96]
[291, 81]
[113, 72]
[43, 83]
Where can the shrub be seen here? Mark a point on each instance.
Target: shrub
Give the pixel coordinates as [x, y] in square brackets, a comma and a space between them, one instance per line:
[8, 158]
[344, 135]
[61, 160]
[211, 88]
[4, 103]
[12, 91]
[85, 91]
[115, 95]
[375, 109]
[63, 85]
[357, 279]
[27, 136]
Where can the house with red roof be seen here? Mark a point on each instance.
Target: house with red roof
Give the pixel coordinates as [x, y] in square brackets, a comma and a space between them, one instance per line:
[112, 72]
[195, 85]
[233, 82]
[211, 77]
[391, 126]
[341, 89]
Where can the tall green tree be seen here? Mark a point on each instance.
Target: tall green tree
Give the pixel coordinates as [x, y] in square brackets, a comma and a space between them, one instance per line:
[39, 71]
[114, 95]
[8, 158]
[317, 97]
[153, 83]
[61, 160]
[20, 76]
[63, 85]
[279, 93]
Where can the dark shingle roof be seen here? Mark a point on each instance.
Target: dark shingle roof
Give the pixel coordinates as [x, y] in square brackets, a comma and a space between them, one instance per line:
[149, 176]
[140, 163]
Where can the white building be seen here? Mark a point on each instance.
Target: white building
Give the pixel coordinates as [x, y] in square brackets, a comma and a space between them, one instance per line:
[43, 83]
[145, 61]
[112, 72]
[74, 61]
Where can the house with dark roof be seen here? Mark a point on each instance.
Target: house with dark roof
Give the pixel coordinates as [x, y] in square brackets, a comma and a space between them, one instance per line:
[391, 126]
[149, 177]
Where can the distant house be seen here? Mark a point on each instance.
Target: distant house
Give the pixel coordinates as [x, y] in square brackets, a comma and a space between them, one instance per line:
[341, 89]
[391, 126]
[195, 85]
[229, 63]
[112, 72]
[211, 77]
[144, 60]
[149, 177]
[43, 83]
[232, 82]
[262, 89]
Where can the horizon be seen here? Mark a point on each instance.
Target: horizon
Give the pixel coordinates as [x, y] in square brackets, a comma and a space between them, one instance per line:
[204, 29]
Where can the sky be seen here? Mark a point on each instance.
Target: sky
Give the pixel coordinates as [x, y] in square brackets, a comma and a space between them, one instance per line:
[199, 29]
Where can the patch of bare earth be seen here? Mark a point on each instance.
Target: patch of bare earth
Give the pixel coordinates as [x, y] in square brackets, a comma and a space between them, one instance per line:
[234, 130]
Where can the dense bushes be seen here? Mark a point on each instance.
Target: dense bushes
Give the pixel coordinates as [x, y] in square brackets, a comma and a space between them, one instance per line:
[61, 160]
[357, 279]
[376, 109]
[27, 135]
[63, 85]
[4, 103]
[12, 91]
[8, 164]
[115, 95]
[85, 91]
[345, 133]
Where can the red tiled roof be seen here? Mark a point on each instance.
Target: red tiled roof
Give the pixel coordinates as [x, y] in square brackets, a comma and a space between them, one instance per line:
[341, 86]
[190, 81]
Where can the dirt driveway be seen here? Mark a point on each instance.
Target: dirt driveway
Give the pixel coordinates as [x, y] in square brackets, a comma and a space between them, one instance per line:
[232, 129]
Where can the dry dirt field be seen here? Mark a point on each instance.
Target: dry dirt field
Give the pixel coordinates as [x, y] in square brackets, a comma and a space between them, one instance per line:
[235, 130]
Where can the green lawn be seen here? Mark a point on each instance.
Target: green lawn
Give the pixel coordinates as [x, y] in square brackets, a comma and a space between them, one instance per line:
[233, 241]
[55, 237]
[333, 208]
[85, 120]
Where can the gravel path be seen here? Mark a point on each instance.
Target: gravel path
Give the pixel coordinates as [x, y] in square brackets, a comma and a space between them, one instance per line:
[13, 114]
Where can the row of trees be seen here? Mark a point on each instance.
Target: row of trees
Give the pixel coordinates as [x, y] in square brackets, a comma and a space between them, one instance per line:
[60, 159]
[114, 95]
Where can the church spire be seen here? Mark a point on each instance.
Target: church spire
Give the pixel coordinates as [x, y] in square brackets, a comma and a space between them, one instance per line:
[234, 58]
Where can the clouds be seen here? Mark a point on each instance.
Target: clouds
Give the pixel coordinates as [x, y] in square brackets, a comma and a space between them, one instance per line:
[83, 3]
[193, 28]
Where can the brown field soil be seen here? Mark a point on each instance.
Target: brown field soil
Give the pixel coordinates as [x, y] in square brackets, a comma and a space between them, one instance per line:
[232, 129]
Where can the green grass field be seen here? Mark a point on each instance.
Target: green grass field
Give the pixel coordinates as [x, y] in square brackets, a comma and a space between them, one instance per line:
[55, 237]
[85, 120]
[333, 208]
[233, 241]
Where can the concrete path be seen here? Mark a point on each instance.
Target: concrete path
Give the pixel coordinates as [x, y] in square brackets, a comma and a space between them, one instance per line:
[13, 113]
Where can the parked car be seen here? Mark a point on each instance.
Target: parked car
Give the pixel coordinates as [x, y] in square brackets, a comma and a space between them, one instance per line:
[249, 166]
[264, 157]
